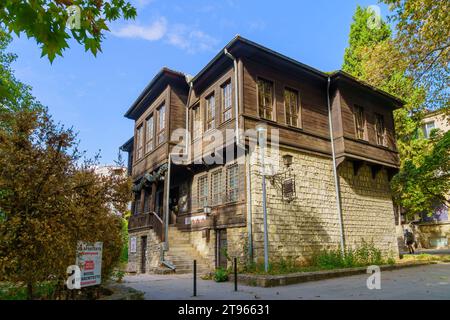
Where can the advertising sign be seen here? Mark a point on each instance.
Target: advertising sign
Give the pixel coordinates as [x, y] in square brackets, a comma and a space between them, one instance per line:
[89, 259]
[133, 245]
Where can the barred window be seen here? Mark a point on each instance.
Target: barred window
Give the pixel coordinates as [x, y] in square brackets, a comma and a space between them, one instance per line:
[232, 183]
[203, 191]
[360, 122]
[161, 124]
[265, 98]
[196, 122]
[210, 112]
[291, 106]
[150, 134]
[226, 101]
[380, 130]
[216, 187]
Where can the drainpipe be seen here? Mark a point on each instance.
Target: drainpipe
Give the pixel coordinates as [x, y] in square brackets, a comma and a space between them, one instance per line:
[335, 173]
[238, 143]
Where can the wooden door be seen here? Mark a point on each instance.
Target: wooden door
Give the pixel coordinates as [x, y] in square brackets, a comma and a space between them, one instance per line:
[143, 254]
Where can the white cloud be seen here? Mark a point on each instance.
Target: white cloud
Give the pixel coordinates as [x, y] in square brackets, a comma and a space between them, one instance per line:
[153, 32]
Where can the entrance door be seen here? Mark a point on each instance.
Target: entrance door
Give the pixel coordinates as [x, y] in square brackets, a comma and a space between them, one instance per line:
[143, 254]
[221, 248]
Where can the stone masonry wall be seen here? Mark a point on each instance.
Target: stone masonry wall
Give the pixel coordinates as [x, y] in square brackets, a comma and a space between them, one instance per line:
[153, 251]
[310, 222]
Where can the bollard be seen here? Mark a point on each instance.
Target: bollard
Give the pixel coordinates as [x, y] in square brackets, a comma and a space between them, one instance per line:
[235, 274]
[195, 278]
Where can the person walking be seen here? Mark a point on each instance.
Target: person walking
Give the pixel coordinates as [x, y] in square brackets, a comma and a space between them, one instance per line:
[409, 239]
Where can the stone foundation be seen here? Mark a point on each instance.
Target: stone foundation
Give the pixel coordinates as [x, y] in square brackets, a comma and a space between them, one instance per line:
[153, 252]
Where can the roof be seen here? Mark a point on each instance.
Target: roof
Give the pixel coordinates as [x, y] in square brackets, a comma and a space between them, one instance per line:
[127, 146]
[161, 75]
[335, 74]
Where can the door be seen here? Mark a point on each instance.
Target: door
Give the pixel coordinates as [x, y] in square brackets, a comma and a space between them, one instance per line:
[143, 254]
[221, 248]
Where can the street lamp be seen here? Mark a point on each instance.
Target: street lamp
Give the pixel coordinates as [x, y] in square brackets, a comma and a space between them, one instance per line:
[262, 140]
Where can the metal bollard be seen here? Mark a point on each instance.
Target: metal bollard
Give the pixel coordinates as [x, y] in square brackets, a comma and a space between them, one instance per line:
[195, 278]
[235, 274]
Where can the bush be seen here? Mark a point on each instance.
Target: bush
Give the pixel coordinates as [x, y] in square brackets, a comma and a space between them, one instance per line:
[220, 275]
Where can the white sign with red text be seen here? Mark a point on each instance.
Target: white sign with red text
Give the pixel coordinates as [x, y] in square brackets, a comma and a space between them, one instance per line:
[89, 259]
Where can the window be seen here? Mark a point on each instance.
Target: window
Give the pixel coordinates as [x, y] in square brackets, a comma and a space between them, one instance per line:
[265, 98]
[147, 198]
[196, 122]
[149, 134]
[379, 129]
[232, 183]
[203, 191]
[427, 129]
[291, 106]
[216, 186]
[360, 122]
[139, 142]
[161, 124]
[226, 101]
[210, 112]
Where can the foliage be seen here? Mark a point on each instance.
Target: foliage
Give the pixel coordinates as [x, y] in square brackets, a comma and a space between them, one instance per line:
[118, 275]
[124, 254]
[423, 37]
[44, 290]
[46, 21]
[51, 199]
[377, 58]
[220, 275]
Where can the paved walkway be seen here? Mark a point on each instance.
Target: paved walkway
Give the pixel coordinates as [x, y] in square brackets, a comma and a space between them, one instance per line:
[424, 282]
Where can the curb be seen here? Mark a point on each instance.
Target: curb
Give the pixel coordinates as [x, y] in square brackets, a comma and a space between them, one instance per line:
[300, 277]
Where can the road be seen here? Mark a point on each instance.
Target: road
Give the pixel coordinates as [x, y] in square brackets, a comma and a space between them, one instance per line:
[424, 282]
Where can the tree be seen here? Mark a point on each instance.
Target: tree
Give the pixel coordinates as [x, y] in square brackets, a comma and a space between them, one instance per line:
[374, 56]
[46, 21]
[51, 198]
[423, 37]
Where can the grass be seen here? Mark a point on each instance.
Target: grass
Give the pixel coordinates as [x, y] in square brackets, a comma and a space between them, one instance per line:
[424, 257]
[9, 291]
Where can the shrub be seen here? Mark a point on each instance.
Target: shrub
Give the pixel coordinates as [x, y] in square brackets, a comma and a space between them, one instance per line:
[220, 275]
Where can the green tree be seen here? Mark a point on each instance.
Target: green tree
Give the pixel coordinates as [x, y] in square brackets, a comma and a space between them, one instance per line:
[51, 198]
[47, 21]
[378, 60]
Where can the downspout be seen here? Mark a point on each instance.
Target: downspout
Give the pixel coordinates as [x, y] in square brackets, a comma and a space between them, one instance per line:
[247, 158]
[335, 173]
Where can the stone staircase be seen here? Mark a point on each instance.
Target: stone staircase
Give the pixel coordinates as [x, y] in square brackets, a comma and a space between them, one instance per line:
[182, 253]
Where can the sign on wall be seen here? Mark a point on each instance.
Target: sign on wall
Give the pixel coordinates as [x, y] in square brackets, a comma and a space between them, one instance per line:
[133, 245]
[89, 259]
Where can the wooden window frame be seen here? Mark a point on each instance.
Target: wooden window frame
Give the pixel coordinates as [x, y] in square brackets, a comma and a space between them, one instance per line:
[362, 128]
[216, 195]
[196, 131]
[161, 131]
[210, 122]
[140, 136]
[235, 190]
[297, 107]
[226, 109]
[149, 136]
[203, 199]
[265, 108]
[379, 135]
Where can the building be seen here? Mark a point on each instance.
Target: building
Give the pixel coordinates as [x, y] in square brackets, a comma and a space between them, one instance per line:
[196, 208]
[432, 231]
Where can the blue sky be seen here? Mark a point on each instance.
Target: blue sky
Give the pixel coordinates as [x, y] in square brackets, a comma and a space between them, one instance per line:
[92, 94]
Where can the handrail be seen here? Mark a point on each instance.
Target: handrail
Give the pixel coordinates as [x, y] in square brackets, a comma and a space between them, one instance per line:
[148, 219]
[157, 217]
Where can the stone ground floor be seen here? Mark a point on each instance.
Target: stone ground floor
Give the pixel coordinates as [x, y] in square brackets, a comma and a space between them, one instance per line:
[422, 283]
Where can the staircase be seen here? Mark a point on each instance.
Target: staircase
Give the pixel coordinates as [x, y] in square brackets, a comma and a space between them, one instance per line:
[182, 253]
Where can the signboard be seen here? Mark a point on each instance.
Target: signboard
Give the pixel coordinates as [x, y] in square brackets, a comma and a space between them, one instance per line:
[133, 245]
[195, 219]
[89, 260]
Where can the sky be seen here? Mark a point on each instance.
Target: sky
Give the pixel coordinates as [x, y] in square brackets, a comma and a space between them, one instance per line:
[92, 93]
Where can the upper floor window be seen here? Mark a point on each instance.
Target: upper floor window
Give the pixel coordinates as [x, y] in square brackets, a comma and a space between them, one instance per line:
[210, 112]
[360, 122]
[139, 142]
[216, 187]
[196, 122]
[291, 106]
[379, 129]
[232, 183]
[203, 191]
[226, 101]
[161, 136]
[427, 128]
[265, 98]
[150, 134]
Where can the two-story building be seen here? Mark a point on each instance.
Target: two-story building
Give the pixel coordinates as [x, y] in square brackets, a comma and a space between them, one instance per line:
[330, 153]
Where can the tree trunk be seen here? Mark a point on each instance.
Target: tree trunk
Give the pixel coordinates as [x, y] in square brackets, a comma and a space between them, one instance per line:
[29, 290]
